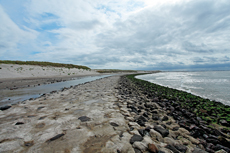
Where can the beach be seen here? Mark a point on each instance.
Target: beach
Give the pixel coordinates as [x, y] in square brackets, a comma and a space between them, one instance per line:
[111, 114]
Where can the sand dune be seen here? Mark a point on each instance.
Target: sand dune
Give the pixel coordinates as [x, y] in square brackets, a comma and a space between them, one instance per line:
[30, 71]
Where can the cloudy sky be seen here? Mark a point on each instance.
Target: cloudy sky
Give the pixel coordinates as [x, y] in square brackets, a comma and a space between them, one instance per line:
[121, 34]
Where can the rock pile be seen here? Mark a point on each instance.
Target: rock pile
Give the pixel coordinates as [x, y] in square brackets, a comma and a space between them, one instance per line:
[161, 125]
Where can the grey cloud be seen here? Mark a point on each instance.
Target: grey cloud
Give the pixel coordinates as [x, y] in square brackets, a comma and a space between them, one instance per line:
[200, 48]
[174, 31]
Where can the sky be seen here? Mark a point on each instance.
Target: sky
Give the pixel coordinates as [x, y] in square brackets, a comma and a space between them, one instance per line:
[118, 34]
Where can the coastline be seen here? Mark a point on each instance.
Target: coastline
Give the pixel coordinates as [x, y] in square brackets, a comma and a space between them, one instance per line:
[106, 115]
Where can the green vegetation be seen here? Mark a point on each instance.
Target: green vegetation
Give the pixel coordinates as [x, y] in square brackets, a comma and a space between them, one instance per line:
[210, 111]
[115, 71]
[44, 64]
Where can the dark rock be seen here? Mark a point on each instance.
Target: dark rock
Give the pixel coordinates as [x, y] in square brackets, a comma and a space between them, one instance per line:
[165, 118]
[4, 108]
[155, 117]
[214, 141]
[84, 118]
[55, 137]
[131, 129]
[154, 112]
[142, 132]
[114, 124]
[164, 126]
[224, 141]
[19, 123]
[163, 132]
[152, 148]
[181, 148]
[219, 147]
[31, 116]
[198, 150]
[137, 150]
[135, 138]
[39, 108]
[203, 142]
[148, 129]
[175, 128]
[170, 147]
[141, 120]
[169, 123]
[145, 114]
[195, 133]
[141, 123]
[41, 118]
[224, 123]
[210, 150]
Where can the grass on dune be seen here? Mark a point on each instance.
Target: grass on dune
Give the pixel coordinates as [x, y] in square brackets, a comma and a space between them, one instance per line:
[44, 64]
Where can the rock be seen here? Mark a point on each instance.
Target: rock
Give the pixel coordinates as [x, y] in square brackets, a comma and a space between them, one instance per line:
[141, 120]
[4, 108]
[175, 128]
[214, 141]
[162, 131]
[148, 129]
[140, 145]
[135, 138]
[184, 141]
[55, 137]
[155, 117]
[28, 143]
[181, 148]
[114, 124]
[40, 125]
[84, 118]
[165, 118]
[220, 147]
[142, 132]
[152, 148]
[224, 123]
[193, 140]
[172, 148]
[221, 151]
[170, 141]
[41, 118]
[39, 108]
[19, 123]
[137, 150]
[197, 150]
[156, 135]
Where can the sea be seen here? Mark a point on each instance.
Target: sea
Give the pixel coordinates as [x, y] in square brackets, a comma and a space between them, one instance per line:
[213, 85]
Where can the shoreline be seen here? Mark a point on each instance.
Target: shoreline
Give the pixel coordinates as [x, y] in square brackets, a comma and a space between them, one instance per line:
[106, 115]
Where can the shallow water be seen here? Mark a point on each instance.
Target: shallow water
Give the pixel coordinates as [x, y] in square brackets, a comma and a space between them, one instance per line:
[214, 85]
[14, 96]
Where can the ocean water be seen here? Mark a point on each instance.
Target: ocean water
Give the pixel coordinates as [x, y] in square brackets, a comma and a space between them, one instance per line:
[214, 85]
